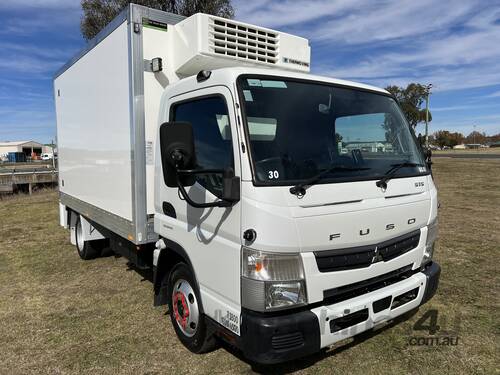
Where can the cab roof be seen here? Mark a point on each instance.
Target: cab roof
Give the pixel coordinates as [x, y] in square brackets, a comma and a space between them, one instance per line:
[224, 76]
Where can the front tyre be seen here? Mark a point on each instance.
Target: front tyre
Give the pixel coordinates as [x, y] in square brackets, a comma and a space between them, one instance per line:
[186, 312]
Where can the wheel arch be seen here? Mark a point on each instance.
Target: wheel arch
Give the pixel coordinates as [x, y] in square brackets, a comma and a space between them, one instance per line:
[167, 259]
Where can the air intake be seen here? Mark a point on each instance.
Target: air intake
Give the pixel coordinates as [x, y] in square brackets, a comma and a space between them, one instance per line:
[243, 41]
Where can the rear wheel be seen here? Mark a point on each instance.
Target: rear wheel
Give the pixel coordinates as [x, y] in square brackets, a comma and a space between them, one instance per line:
[186, 312]
[86, 249]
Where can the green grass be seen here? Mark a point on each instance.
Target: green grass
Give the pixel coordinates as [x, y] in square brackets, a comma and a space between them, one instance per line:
[59, 314]
[492, 150]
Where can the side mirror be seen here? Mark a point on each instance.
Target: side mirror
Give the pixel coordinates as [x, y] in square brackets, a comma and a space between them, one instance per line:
[428, 157]
[177, 151]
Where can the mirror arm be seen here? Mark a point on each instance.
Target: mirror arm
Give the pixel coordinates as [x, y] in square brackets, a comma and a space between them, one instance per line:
[185, 195]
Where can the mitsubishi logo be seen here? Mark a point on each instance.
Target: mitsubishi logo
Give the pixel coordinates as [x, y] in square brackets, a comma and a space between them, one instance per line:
[377, 257]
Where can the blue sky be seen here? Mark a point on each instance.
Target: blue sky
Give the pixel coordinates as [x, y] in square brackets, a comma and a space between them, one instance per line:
[455, 45]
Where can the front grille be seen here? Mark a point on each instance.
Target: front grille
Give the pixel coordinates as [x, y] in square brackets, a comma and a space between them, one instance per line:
[243, 41]
[335, 295]
[362, 257]
[345, 259]
[398, 246]
[287, 341]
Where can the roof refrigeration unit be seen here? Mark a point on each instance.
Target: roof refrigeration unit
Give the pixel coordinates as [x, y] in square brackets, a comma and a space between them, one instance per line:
[202, 41]
[107, 154]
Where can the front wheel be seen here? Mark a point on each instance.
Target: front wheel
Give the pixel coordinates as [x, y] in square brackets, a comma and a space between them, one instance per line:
[186, 312]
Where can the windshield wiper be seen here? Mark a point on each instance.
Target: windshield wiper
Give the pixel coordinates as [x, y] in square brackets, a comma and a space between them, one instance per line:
[299, 189]
[382, 183]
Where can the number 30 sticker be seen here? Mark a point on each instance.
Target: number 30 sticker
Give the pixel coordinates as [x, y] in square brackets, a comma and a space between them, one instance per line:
[273, 175]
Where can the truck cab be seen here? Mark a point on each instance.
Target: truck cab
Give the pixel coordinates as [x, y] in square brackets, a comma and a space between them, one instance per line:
[278, 210]
[332, 228]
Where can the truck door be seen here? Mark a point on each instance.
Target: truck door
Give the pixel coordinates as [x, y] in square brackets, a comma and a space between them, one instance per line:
[210, 236]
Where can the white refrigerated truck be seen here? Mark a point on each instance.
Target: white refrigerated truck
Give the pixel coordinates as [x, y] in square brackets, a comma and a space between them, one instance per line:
[279, 211]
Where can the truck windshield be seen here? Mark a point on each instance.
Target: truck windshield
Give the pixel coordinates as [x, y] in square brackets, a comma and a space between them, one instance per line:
[300, 129]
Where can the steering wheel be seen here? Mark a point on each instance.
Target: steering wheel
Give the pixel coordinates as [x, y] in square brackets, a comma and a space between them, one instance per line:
[268, 160]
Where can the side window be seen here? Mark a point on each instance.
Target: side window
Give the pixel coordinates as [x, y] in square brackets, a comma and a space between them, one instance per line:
[212, 136]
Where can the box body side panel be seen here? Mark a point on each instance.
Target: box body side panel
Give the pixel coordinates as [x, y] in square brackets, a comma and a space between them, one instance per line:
[93, 126]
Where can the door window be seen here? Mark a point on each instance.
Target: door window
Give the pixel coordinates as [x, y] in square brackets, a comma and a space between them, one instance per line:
[212, 137]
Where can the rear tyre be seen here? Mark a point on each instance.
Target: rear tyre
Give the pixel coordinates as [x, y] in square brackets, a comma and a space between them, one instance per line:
[186, 312]
[86, 249]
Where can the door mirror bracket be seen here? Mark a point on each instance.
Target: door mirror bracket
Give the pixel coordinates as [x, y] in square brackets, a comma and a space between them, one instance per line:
[230, 187]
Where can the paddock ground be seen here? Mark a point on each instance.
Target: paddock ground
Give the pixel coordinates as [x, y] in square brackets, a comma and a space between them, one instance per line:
[61, 315]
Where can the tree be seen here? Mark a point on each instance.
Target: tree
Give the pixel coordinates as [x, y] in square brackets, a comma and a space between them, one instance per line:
[222, 8]
[411, 100]
[476, 137]
[445, 138]
[494, 138]
[456, 139]
[98, 13]
[441, 138]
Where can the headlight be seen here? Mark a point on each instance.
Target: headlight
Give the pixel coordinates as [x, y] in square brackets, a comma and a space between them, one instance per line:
[271, 281]
[432, 234]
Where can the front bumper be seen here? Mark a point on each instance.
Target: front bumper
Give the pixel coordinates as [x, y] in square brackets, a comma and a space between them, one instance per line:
[274, 338]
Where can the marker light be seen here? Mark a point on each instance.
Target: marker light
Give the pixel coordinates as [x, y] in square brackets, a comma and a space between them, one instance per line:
[432, 235]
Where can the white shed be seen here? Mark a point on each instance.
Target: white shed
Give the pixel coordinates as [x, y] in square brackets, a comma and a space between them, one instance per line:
[27, 147]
